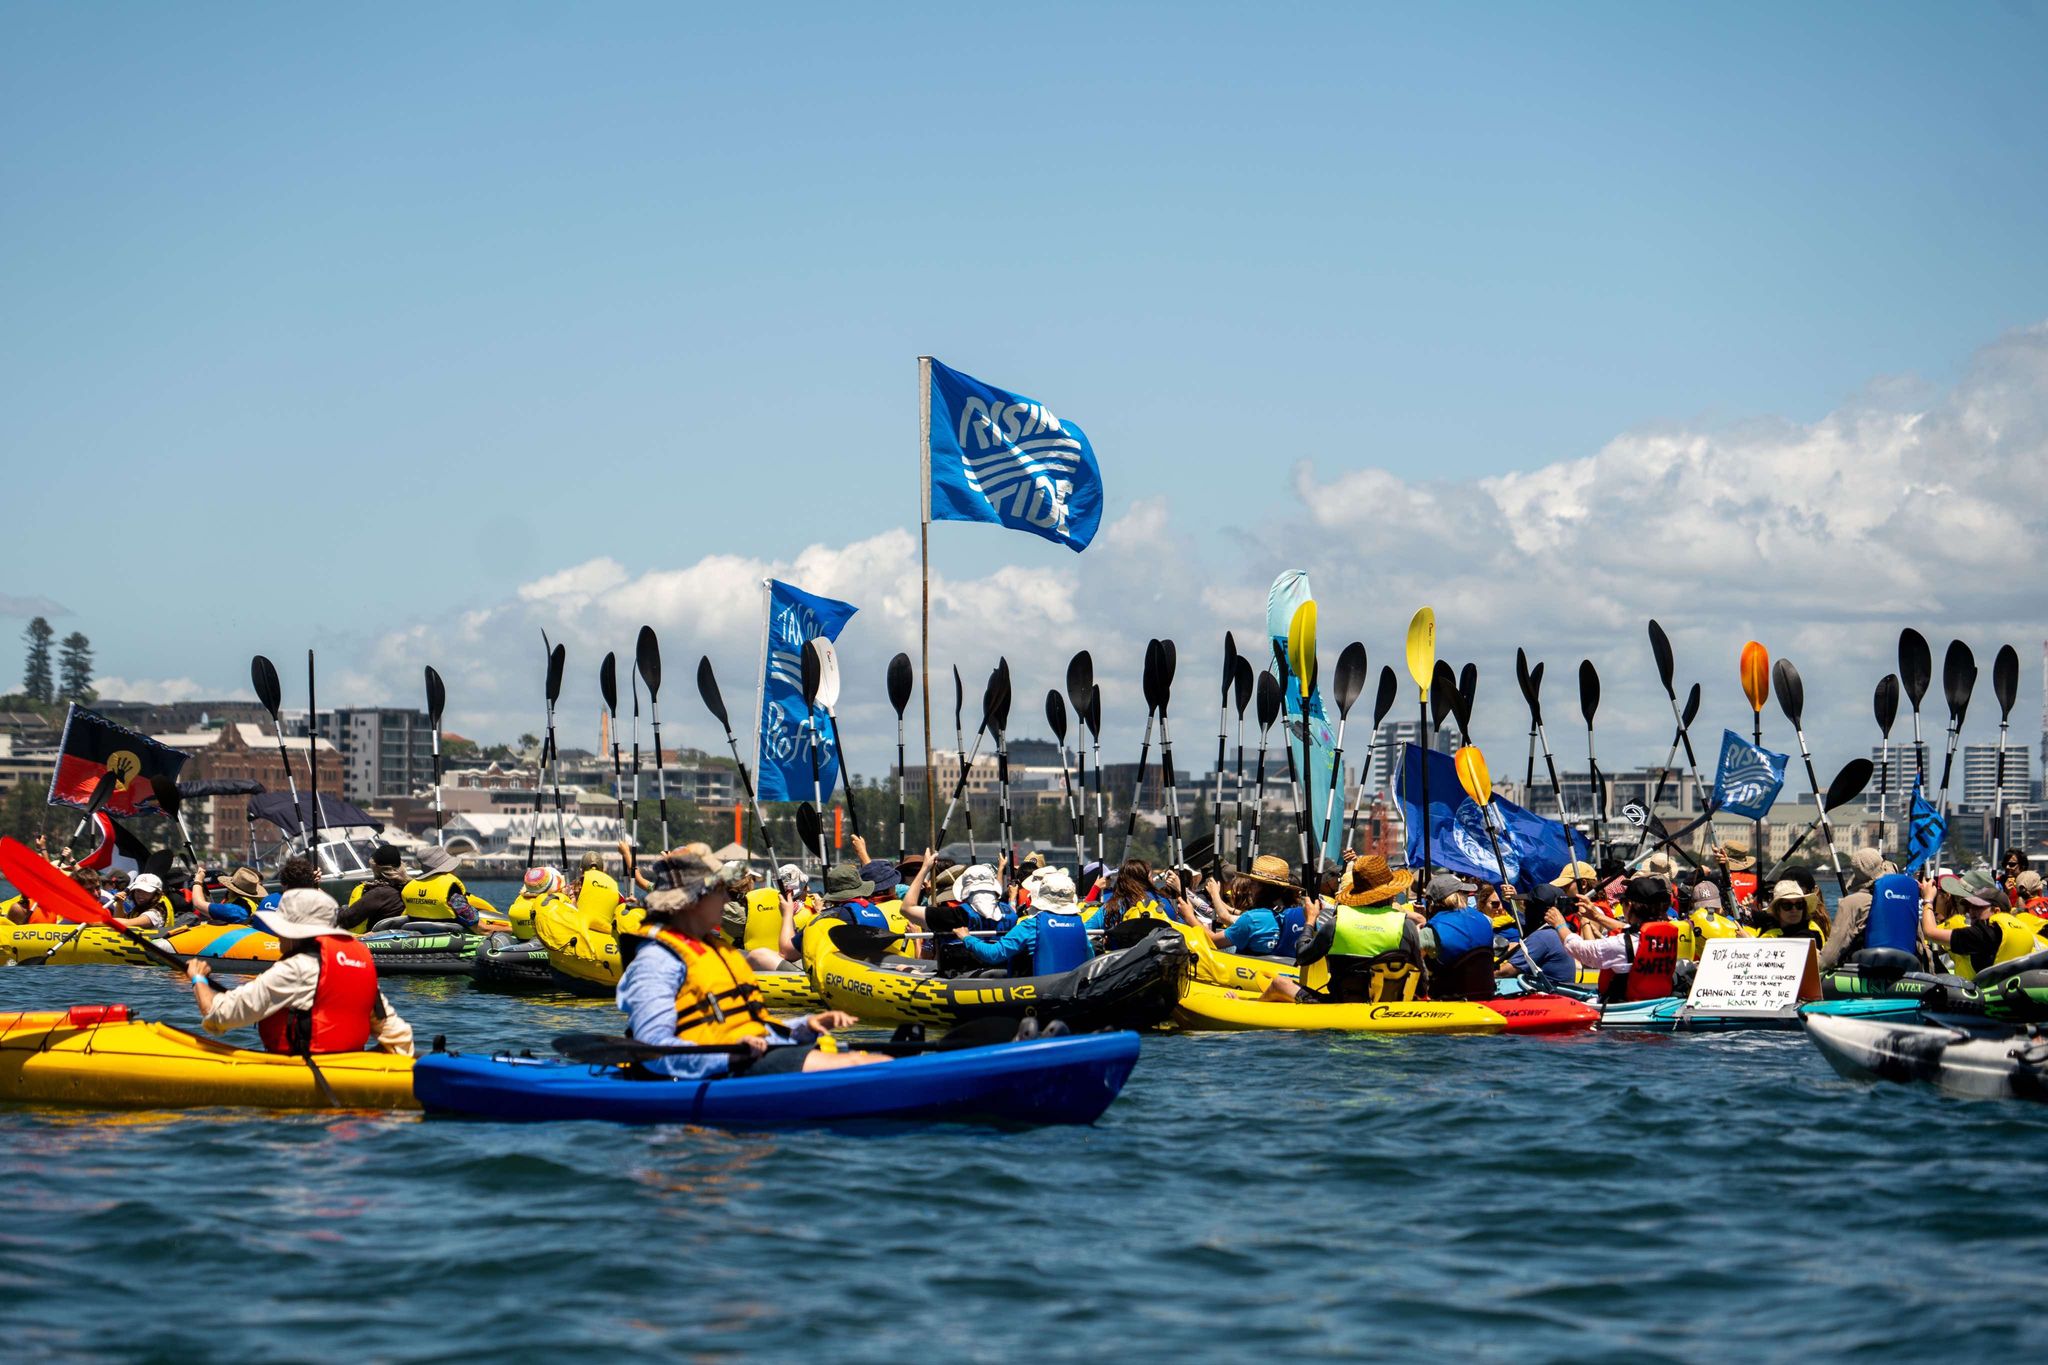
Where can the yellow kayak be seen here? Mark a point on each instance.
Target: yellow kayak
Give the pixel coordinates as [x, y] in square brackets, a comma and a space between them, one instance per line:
[586, 960]
[93, 943]
[1209, 1007]
[96, 1055]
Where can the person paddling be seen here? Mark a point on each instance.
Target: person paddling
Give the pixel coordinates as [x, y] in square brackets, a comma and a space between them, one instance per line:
[1051, 937]
[1363, 947]
[688, 986]
[380, 898]
[1458, 938]
[437, 893]
[321, 995]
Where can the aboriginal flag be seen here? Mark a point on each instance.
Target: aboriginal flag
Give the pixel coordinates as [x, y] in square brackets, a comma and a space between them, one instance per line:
[93, 747]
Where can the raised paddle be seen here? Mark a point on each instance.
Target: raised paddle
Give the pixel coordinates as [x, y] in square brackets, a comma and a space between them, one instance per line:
[102, 792]
[1478, 784]
[1958, 680]
[1388, 692]
[998, 682]
[608, 686]
[1884, 704]
[828, 697]
[1846, 787]
[50, 889]
[1443, 695]
[1533, 694]
[1916, 673]
[901, 684]
[1000, 695]
[1300, 665]
[714, 702]
[1154, 672]
[263, 677]
[2005, 685]
[811, 677]
[1243, 682]
[1346, 684]
[960, 746]
[313, 759]
[540, 778]
[1589, 702]
[1792, 700]
[1526, 683]
[1462, 699]
[647, 663]
[1660, 647]
[173, 801]
[437, 702]
[1421, 655]
[1685, 719]
[1056, 717]
[1173, 831]
[1080, 690]
[1092, 718]
[1755, 668]
[1223, 732]
[810, 831]
[633, 683]
[1269, 703]
[558, 659]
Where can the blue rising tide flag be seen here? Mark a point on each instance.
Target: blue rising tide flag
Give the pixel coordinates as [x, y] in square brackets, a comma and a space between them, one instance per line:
[1000, 457]
[1534, 849]
[1747, 779]
[1924, 837]
[1289, 591]
[782, 744]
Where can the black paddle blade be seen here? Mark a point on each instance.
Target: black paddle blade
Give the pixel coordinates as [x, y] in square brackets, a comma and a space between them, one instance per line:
[1154, 666]
[1003, 697]
[1243, 681]
[1229, 664]
[1092, 717]
[1531, 680]
[1885, 703]
[1848, 784]
[959, 696]
[1269, 700]
[101, 791]
[1056, 714]
[1080, 681]
[1589, 690]
[813, 672]
[1443, 694]
[647, 655]
[1916, 665]
[437, 697]
[901, 683]
[263, 677]
[1389, 691]
[608, 682]
[557, 660]
[1350, 680]
[1958, 679]
[169, 797]
[1692, 707]
[1791, 690]
[1461, 701]
[1660, 645]
[1167, 661]
[1522, 671]
[2005, 680]
[707, 688]
[808, 829]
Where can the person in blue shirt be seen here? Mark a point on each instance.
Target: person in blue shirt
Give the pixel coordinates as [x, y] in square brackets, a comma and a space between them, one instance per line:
[1458, 940]
[1538, 948]
[1267, 918]
[1050, 940]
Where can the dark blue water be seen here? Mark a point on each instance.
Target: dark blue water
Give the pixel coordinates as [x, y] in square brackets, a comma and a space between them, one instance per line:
[1612, 1197]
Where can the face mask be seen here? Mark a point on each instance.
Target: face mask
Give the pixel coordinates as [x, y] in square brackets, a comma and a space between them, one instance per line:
[983, 903]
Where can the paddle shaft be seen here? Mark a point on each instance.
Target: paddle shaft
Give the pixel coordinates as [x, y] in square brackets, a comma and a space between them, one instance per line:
[902, 824]
[1251, 849]
[1138, 789]
[661, 765]
[845, 778]
[1819, 800]
[1173, 839]
[1422, 762]
[1003, 789]
[747, 784]
[960, 742]
[1073, 812]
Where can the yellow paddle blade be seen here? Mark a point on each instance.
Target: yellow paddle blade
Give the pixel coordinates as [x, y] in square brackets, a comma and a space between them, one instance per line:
[1301, 647]
[1756, 675]
[1422, 649]
[1472, 774]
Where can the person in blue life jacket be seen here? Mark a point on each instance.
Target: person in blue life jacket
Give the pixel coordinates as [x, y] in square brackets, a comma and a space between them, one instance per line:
[234, 898]
[1051, 939]
[1538, 950]
[1457, 938]
[851, 897]
[1267, 918]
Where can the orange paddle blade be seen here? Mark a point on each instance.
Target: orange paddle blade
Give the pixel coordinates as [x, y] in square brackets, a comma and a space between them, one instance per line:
[1472, 774]
[1756, 675]
[44, 883]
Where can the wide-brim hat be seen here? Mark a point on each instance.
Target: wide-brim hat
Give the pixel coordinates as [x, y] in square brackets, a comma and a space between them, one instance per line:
[244, 881]
[1788, 891]
[843, 882]
[883, 874]
[436, 861]
[1369, 881]
[1052, 889]
[1738, 856]
[303, 912]
[1273, 870]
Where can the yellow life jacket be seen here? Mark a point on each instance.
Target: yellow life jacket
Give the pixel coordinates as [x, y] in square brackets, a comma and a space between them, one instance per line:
[762, 926]
[598, 899]
[1701, 927]
[2016, 938]
[427, 897]
[718, 1002]
[524, 907]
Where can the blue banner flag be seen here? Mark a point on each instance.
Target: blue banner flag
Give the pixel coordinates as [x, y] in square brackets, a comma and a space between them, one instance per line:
[1748, 778]
[1928, 830]
[782, 744]
[1283, 599]
[1535, 849]
[1000, 457]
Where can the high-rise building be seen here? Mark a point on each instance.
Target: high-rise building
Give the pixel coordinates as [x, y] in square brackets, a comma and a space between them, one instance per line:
[1979, 763]
[1386, 753]
[386, 751]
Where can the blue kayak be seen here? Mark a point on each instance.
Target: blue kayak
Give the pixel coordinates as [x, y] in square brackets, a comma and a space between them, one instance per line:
[1669, 1015]
[1069, 1079]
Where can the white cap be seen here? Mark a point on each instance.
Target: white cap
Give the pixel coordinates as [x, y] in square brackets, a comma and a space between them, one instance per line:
[149, 884]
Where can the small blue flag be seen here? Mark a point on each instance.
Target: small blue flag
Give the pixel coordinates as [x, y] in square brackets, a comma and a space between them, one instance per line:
[1928, 830]
[1748, 778]
[1000, 457]
[782, 753]
[1535, 849]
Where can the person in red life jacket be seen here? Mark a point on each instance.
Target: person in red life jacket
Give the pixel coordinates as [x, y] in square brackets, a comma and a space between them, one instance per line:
[1647, 943]
[2031, 899]
[320, 996]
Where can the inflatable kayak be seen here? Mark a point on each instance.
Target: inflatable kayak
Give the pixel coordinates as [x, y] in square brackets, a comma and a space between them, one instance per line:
[1672, 1015]
[505, 963]
[96, 1055]
[2012, 1066]
[1130, 988]
[1209, 1007]
[1049, 1080]
[91, 944]
[586, 962]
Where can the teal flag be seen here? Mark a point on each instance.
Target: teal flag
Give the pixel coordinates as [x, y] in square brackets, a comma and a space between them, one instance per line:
[1289, 591]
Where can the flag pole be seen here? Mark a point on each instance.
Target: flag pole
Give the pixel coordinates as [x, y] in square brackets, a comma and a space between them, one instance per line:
[924, 556]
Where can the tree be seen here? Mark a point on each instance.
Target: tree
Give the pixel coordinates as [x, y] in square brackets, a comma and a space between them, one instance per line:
[36, 680]
[74, 667]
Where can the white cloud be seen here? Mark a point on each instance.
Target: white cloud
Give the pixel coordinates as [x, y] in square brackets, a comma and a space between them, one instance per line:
[162, 690]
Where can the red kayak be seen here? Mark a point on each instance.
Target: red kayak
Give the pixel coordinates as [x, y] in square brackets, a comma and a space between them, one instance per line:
[1544, 1013]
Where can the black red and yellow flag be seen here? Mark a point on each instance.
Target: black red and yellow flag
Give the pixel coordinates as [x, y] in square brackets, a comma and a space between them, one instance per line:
[93, 747]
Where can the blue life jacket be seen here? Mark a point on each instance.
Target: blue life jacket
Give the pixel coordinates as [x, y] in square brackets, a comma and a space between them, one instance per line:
[1894, 914]
[859, 912]
[1293, 920]
[1460, 931]
[270, 901]
[1062, 944]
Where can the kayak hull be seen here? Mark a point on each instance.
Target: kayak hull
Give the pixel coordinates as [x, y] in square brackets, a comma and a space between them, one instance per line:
[505, 963]
[1209, 1008]
[1956, 1062]
[1055, 1080]
[63, 1057]
[1669, 1015]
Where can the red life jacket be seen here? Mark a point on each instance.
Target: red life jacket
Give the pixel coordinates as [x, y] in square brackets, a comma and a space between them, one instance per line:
[1653, 963]
[344, 1004]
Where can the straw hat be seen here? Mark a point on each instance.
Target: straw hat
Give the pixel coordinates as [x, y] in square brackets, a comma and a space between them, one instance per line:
[1272, 870]
[303, 912]
[1369, 881]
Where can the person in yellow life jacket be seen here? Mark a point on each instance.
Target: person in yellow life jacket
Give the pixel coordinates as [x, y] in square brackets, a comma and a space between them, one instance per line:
[320, 996]
[687, 988]
[1991, 934]
[437, 893]
[776, 919]
[1706, 921]
[147, 907]
[380, 898]
[539, 886]
[597, 895]
[1361, 948]
[1790, 915]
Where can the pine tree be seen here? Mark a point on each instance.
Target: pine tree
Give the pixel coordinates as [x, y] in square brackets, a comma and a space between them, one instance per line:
[74, 667]
[36, 682]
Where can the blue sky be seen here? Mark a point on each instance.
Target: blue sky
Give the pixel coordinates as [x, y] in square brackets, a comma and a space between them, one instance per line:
[336, 324]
